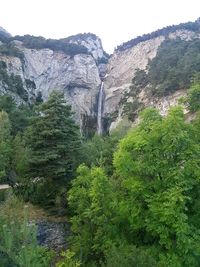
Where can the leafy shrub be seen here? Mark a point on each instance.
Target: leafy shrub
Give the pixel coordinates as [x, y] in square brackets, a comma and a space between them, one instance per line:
[18, 243]
[140, 78]
[147, 212]
[68, 260]
[193, 98]
[130, 101]
[131, 109]
[129, 256]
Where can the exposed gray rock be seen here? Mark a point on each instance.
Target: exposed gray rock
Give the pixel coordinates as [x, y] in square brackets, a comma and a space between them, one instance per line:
[91, 42]
[4, 33]
[80, 76]
[53, 235]
[77, 76]
[121, 69]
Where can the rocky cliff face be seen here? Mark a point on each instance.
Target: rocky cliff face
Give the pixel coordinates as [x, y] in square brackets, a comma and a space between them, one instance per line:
[4, 33]
[43, 68]
[121, 70]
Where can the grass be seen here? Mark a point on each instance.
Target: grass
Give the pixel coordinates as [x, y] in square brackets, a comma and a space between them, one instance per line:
[11, 205]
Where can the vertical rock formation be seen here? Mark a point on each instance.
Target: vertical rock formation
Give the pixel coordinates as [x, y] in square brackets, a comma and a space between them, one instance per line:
[77, 65]
[123, 65]
[78, 74]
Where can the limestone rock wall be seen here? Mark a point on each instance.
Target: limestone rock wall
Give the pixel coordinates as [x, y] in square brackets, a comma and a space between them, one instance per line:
[45, 70]
[121, 69]
[80, 76]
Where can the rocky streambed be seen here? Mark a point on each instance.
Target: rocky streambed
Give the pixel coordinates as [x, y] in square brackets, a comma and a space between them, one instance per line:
[53, 235]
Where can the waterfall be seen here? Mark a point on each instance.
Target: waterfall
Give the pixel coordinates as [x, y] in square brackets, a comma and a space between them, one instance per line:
[99, 112]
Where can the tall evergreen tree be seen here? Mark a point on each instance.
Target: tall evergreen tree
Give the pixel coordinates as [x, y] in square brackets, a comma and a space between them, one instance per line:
[54, 142]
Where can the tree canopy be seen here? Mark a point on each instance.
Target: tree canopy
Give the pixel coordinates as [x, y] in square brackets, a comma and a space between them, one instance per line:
[150, 205]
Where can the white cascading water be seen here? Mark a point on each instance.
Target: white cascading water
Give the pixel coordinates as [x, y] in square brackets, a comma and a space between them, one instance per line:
[99, 111]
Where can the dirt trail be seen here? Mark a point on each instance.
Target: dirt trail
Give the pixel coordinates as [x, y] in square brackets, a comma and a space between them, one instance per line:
[4, 186]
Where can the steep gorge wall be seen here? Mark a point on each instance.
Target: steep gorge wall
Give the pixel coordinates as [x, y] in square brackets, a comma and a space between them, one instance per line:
[122, 67]
[44, 70]
[80, 75]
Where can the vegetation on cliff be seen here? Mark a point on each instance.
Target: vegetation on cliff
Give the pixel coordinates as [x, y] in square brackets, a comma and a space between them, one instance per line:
[176, 66]
[190, 26]
[63, 45]
[11, 82]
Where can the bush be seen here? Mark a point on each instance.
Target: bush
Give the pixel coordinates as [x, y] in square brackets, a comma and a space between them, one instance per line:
[193, 98]
[68, 260]
[18, 243]
[128, 256]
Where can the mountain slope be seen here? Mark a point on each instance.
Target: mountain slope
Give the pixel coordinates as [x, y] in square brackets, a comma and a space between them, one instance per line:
[134, 76]
[72, 65]
[124, 65]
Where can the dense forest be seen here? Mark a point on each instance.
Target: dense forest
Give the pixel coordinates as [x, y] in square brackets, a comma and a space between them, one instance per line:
[132, 197]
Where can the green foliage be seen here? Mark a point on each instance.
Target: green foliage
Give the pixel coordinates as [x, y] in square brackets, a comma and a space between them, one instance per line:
[131, 109]
[9, 49]
[12, 82]
[54, 139]
[174, 65]
[130, 101]
[147, 213]
[159, 167]
[93, 202]
[193, 97]
[68, 260]
[18, 243]
[56, 45]
[5, 145]
[20, 158]
[7, 103]
[128, 256]
[19, 116]
[140, 79]
[89, 126]
[54, 144]
[3, 194]
[98, 151]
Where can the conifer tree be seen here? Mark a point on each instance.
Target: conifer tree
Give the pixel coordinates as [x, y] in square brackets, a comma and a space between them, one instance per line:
[54, 142]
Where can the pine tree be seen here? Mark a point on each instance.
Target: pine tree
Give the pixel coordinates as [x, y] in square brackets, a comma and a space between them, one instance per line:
[54, 142]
